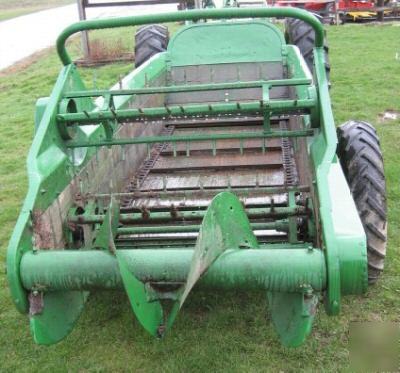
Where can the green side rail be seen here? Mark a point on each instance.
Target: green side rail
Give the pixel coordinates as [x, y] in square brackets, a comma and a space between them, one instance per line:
[188, 15]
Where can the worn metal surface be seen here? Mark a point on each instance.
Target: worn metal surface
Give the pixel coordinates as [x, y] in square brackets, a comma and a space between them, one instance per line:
[88, 269]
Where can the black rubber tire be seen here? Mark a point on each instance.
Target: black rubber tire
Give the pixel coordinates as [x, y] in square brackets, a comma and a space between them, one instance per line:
[150, 40]
[301, 34]
[362, 162]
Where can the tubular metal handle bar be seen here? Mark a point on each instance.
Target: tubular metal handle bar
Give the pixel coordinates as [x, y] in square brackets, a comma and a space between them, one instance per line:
[188, 15]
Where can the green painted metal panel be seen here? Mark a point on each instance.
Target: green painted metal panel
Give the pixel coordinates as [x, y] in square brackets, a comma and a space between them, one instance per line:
[292, 315]
[39, 110]
[61, 310]
[323, 155]
[46, 137]
[226, 42]
[108, 229]
[149, 312]
[349, 233]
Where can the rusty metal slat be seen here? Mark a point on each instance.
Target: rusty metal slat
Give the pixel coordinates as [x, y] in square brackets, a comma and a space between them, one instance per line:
[223, 161]
[215, 121]
[216, 179]
[251, 144]
[214, 130]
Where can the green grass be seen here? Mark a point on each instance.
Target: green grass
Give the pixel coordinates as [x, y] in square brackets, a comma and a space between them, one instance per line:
[10, 9]
[215, 331]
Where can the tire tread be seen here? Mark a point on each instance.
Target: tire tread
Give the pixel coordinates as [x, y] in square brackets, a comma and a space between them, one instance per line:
[150, 40]
[362, 162]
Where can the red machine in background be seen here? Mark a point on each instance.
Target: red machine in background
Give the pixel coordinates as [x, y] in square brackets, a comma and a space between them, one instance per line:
[318, 6]
[344, 10]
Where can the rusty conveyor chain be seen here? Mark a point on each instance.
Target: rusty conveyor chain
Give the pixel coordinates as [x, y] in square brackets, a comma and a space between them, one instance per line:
[147, 164]
[288, 159]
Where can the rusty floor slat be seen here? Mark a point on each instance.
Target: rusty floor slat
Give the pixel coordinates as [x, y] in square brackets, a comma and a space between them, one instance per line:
[223, 121]
[216, 179]
[232, 145]
[215, 130]
[221, 161]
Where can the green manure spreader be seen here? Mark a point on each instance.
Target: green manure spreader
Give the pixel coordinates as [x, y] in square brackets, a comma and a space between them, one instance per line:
[214, 164]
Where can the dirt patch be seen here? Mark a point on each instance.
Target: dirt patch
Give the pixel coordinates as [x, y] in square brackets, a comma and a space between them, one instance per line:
[389, 115]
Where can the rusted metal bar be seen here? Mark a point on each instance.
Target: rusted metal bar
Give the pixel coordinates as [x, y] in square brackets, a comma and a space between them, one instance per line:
[279, 225]
[194, 215]
[254, 192]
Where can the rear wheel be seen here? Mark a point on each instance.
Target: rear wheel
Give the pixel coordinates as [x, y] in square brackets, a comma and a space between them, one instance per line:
[302, 35]
[361, 159]
[150, 40]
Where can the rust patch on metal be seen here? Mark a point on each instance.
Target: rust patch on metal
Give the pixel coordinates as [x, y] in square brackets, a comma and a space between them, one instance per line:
[42, 230]
[36, 303]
